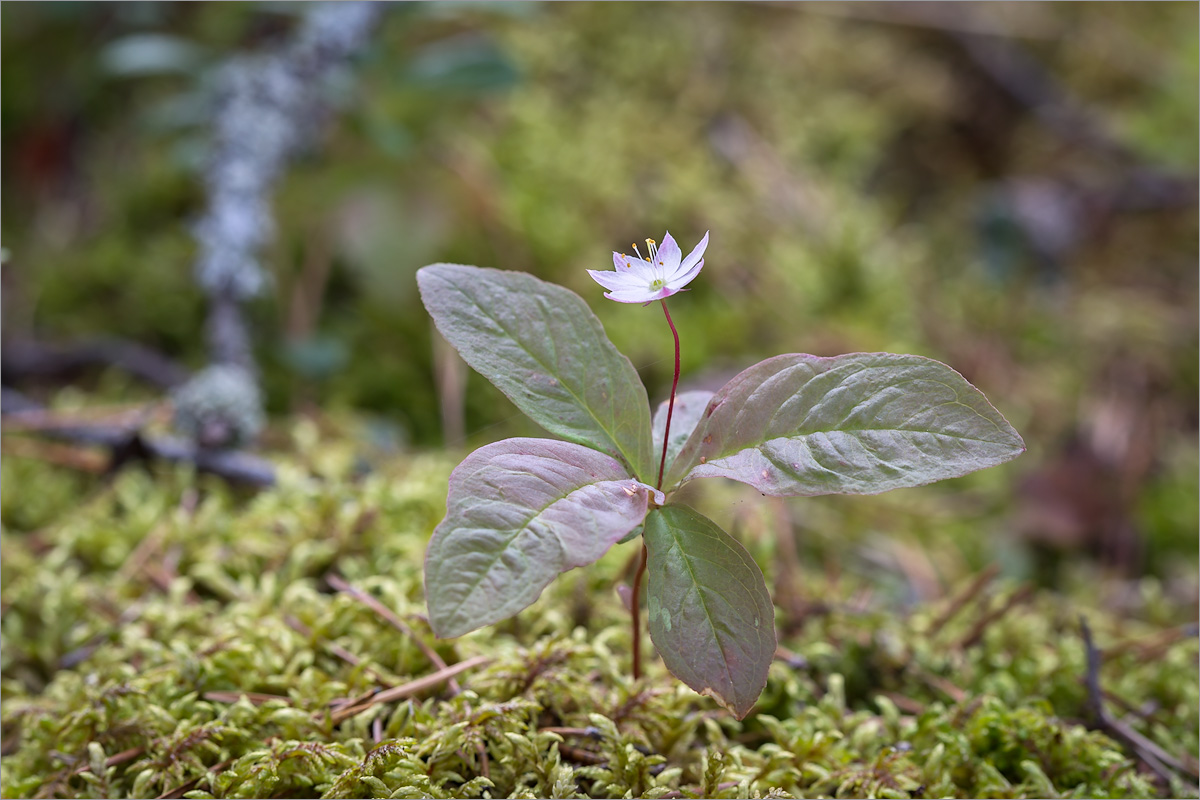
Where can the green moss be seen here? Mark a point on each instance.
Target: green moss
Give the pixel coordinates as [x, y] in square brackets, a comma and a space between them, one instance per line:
[122, 680]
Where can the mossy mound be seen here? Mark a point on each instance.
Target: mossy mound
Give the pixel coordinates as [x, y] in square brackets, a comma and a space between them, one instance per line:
[164, 636]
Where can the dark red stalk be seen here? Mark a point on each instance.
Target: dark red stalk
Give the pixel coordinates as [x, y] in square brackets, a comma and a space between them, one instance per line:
[671, 406]
[634, 611]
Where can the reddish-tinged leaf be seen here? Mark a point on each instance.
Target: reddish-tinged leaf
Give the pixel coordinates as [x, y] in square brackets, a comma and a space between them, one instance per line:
[862, 423]
[519, 512]
[711, 616]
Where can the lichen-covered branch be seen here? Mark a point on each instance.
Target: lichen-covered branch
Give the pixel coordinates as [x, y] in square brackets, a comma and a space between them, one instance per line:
[270, 107]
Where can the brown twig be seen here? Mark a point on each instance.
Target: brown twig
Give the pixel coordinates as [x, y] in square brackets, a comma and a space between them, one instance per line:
[905, 704]
[963, 598]
[392, 619]
[1153, 756]
[943, 685]
[339, 651]
[123, 757]
[255, 698]
[581, 756]
[981, 625]
[408, 689]
[1151, 647]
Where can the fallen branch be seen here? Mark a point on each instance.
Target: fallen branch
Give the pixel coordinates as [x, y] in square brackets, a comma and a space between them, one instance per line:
[28, 359]
[127, 443]
[1153, 756]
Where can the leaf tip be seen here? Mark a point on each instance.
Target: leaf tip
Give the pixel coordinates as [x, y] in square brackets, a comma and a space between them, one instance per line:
[739, 713]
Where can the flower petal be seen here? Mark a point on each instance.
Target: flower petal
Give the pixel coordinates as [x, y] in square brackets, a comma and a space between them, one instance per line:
[684, 278]
[696, 255]
[667, 260]
[616, 281]
[642, 295]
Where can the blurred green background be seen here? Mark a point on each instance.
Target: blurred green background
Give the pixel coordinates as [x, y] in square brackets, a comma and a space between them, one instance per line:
[1009, 188]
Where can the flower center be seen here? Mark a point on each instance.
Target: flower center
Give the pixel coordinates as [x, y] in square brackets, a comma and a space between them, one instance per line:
[657, 283]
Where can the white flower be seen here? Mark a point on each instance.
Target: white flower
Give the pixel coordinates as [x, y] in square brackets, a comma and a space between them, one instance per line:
[638, 280]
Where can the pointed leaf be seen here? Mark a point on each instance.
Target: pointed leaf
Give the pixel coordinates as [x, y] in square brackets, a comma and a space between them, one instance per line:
[542, 346]
[711, 617]
[519, 512]
[689, 407]
[862, 423]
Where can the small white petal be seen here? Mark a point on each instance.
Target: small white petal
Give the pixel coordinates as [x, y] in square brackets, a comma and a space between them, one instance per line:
[686, 277]
[615, 280]
[642, 295]
[694, 256]
[667, 260]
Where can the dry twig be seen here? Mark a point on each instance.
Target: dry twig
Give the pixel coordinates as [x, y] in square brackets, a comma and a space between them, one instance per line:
[408, 689]
[391, 618]
[963, 598]
[1153, 756]
[981, 625]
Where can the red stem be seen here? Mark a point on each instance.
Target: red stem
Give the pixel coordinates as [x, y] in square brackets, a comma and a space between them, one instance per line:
[634, 610]
[671, 406]
[635, 615]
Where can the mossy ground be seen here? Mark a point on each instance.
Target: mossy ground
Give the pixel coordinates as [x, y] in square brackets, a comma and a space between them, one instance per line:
[166, 636]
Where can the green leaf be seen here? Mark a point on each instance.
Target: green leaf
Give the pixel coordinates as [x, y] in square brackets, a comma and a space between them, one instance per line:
[542, 346]
[689, 408]
[862, 423]
[711, 617]
[518, 513]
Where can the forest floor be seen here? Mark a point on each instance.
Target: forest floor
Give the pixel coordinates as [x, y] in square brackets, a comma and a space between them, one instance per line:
[166, 636]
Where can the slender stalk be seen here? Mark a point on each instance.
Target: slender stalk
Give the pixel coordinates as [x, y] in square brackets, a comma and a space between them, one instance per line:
[671, 406]
[635, 614]
[634, 611]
